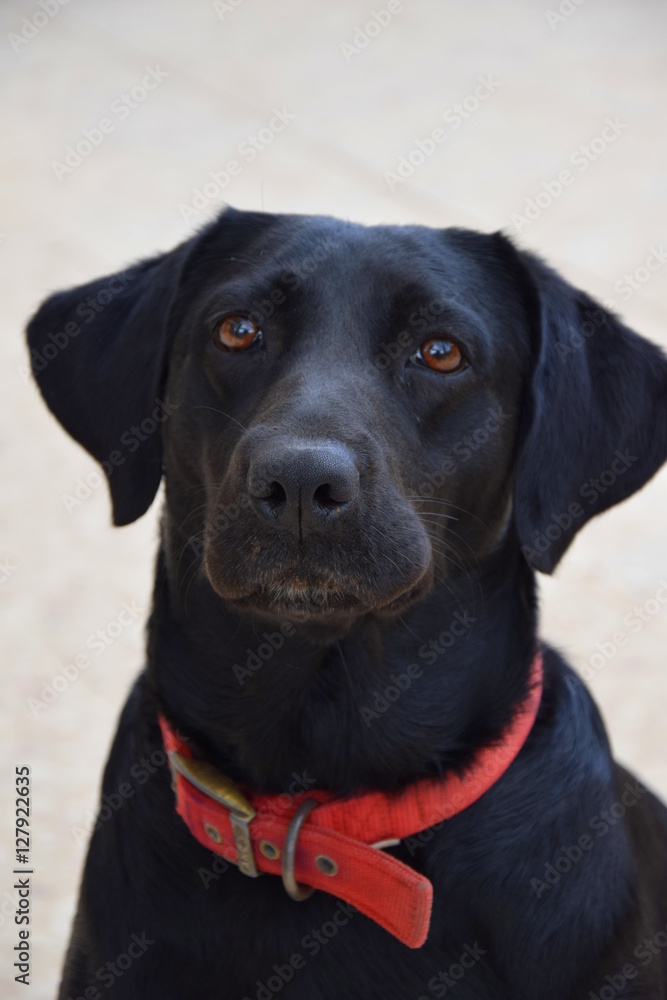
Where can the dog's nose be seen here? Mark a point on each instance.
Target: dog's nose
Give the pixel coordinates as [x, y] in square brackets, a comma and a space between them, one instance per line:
[303, 486]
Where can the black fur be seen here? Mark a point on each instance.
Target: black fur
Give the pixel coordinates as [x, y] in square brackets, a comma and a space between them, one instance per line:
[466, 484]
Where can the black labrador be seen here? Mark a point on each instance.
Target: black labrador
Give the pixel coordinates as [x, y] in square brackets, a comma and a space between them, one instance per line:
[370, 440]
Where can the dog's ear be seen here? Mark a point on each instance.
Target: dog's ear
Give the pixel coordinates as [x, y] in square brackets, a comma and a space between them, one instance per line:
[596, 427]
[99, 354]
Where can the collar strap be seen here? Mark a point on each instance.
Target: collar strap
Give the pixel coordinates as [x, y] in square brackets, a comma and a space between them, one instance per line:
[317, 840]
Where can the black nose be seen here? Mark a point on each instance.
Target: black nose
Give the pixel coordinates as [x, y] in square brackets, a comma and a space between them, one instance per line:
[302, 485]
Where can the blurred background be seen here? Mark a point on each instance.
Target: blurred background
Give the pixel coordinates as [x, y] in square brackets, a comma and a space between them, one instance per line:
[119, 121]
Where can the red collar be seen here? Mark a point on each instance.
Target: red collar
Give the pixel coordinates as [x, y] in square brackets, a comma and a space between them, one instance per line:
[317, 840]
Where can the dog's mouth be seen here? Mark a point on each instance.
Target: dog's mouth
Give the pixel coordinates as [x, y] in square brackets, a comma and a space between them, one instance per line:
[312, 602]
[300, 597]
[306, 598]
[324, 577]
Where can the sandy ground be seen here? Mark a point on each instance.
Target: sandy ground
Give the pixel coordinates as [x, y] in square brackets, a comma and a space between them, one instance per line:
[217, 75]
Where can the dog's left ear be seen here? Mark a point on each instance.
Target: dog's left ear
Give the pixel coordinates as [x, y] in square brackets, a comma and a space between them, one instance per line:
[99, 354]
[596, 426]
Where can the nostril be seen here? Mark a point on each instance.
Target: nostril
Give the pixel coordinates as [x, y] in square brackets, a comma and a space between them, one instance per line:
[324, 497]
[272, 496]
[276, 494]
[302, 486]
[338, 491]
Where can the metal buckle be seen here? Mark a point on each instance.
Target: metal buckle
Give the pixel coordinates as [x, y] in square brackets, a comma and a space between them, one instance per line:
[222, 789]
[293, 889]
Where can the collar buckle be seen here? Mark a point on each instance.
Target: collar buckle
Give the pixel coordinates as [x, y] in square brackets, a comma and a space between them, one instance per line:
[227, 793]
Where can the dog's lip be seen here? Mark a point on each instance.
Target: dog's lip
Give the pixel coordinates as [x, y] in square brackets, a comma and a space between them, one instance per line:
[397, 601]
[298, 593]
[308, 605]
[299, 596]
[307, 597]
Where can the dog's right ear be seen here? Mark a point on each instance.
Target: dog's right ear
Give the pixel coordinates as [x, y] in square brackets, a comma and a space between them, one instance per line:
[596, 428]
[99, 354]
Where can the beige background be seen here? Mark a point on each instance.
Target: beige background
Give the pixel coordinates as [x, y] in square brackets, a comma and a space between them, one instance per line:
[354, 119]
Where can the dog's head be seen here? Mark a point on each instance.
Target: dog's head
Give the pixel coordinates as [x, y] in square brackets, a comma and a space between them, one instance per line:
[345, 414]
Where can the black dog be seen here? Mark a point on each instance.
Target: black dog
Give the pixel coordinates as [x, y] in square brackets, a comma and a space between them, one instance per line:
[370, 439]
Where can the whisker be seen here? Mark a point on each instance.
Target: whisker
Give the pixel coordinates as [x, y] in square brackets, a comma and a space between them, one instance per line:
[222, 414]
[442, 547]
[434, 513]
[440, 579]
[450, 531]
[388, 558]
[405, 625]
[449, 503]
[345, 666]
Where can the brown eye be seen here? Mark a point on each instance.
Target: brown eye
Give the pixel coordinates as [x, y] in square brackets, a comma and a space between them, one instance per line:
[442, 356]
[237, 333]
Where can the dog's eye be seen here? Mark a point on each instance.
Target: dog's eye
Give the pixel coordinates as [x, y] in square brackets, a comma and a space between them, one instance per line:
[237, 333]
[441, 356]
